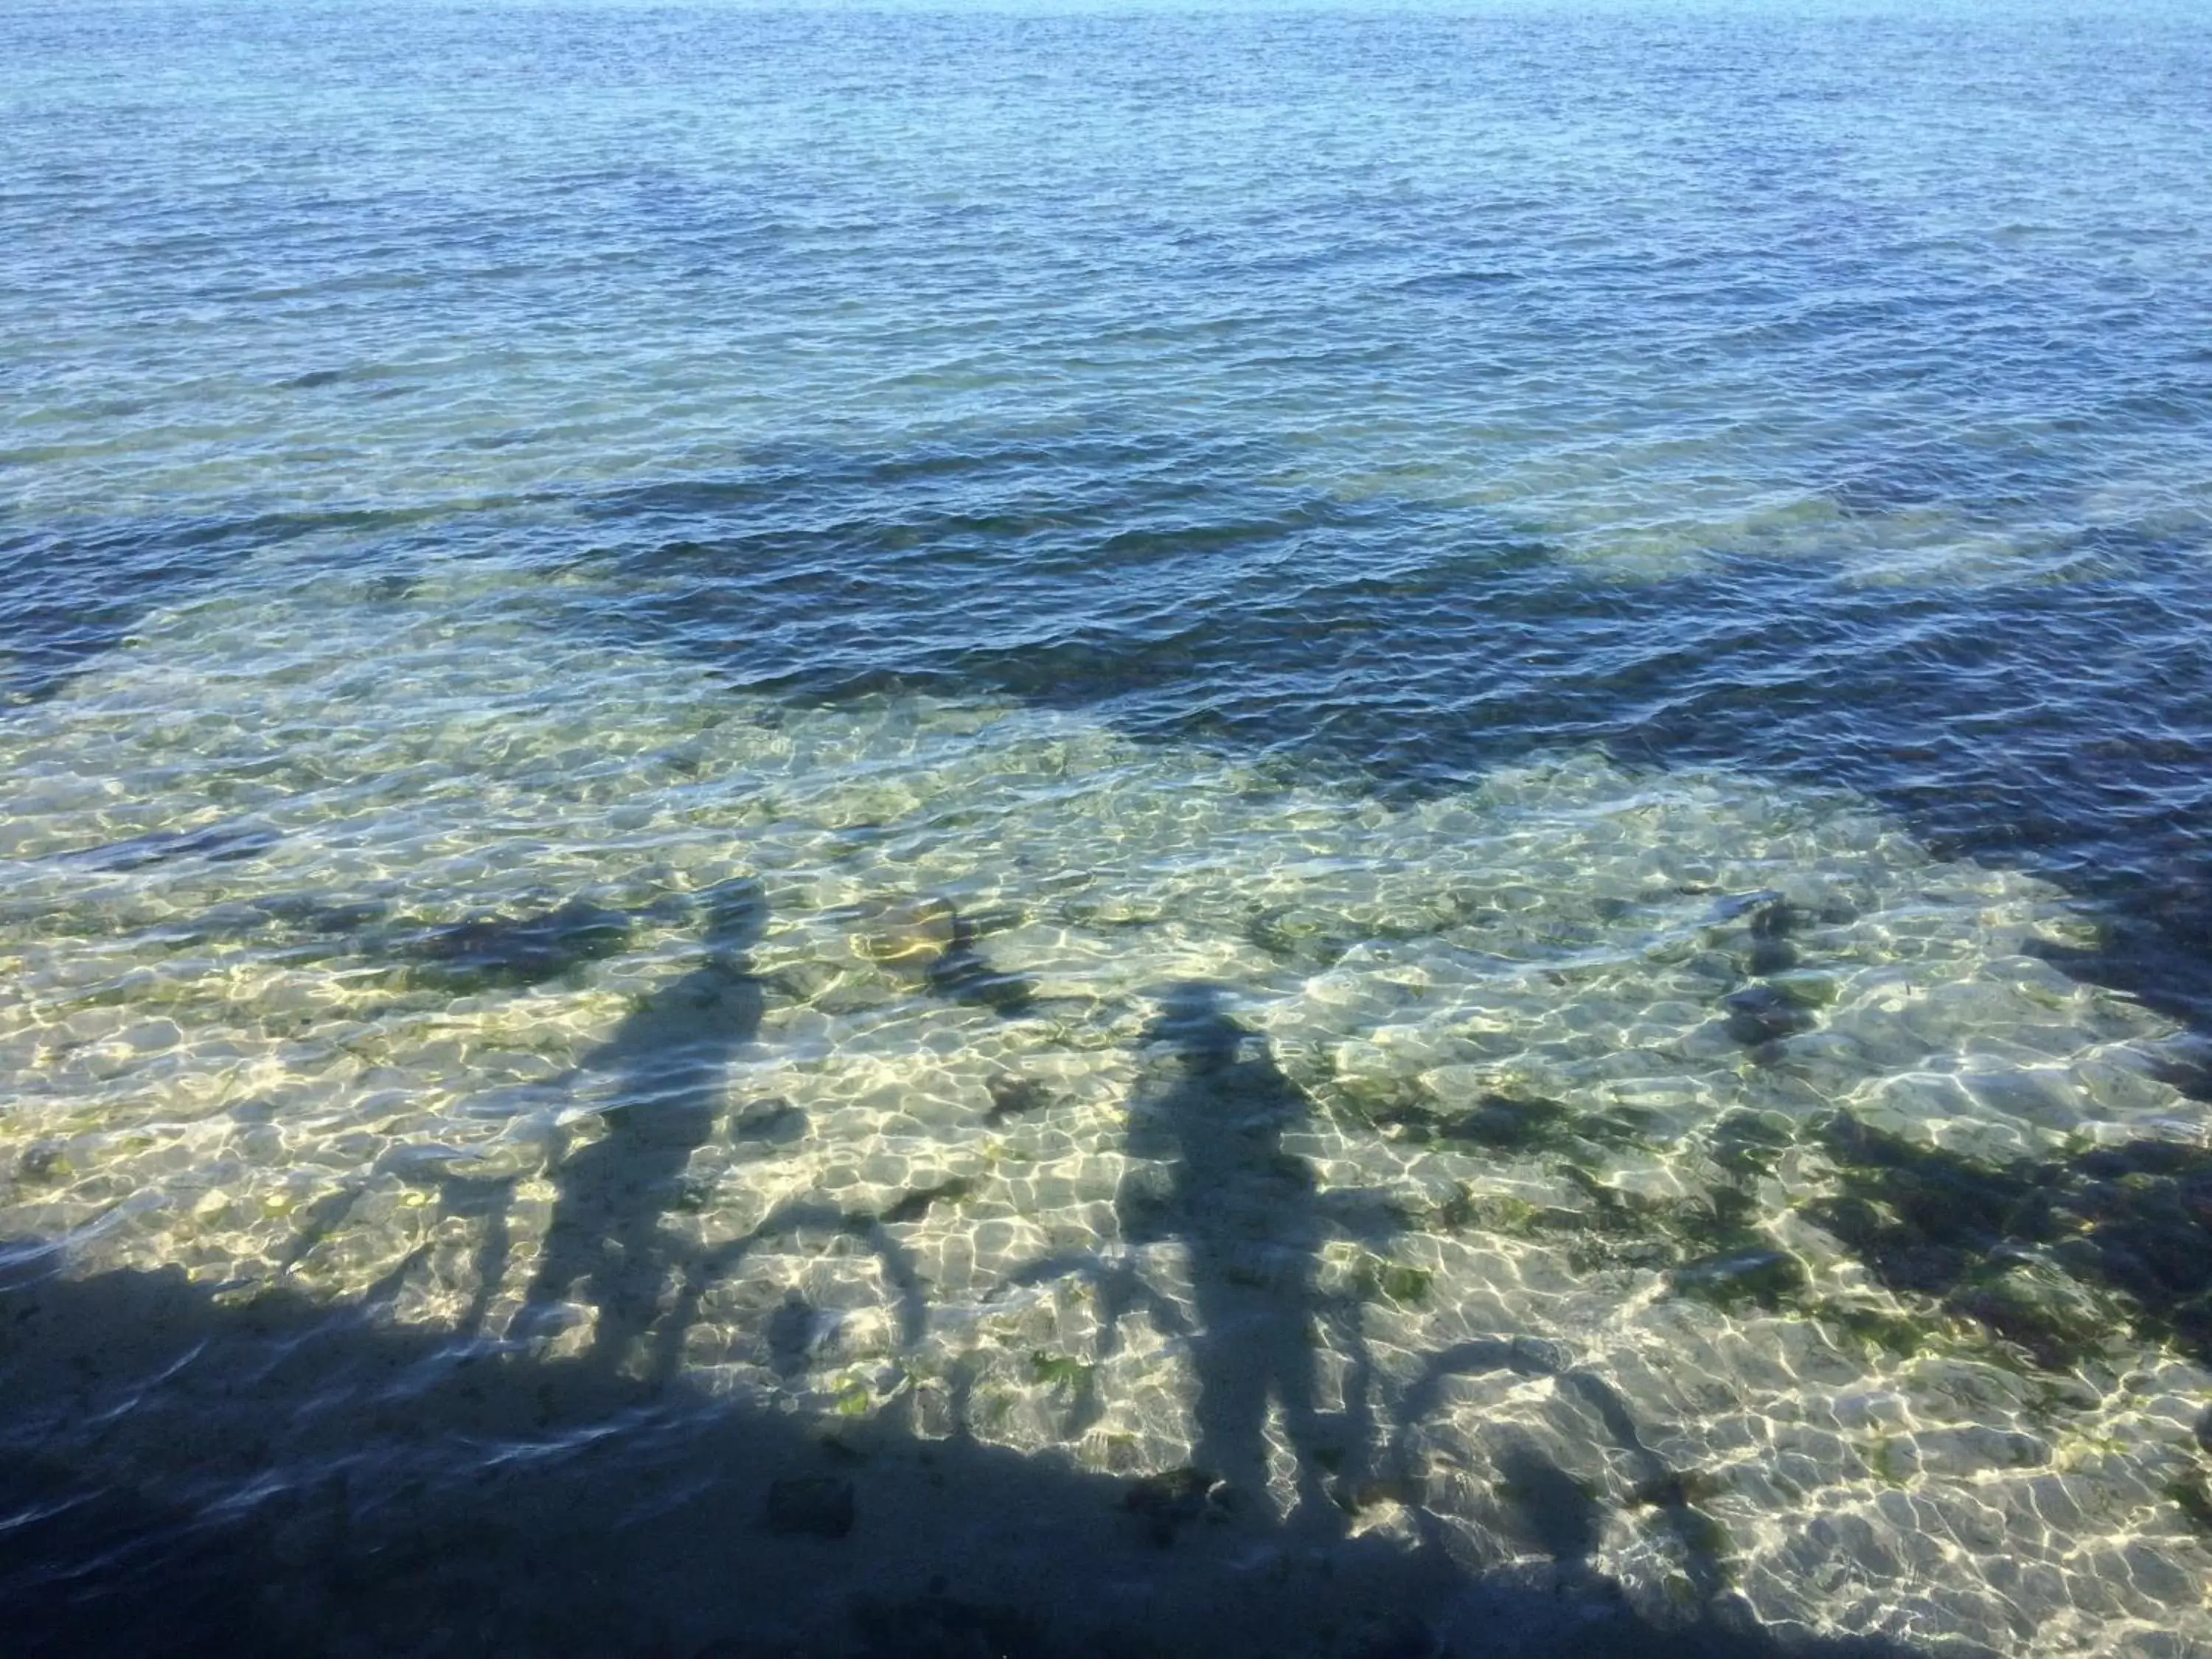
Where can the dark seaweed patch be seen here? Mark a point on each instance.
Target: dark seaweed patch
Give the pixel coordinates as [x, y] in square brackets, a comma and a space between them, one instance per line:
[2056, 1255]
[2194, 1497]
[1712, 1244]
[1525, 1124]
[1509, 1122]
[1305, 937]
[773, 1121]
[218, 843]
[1894, 1334]
[915, 1205]
[517, 950]
[1771, 924]
[1012, 1096]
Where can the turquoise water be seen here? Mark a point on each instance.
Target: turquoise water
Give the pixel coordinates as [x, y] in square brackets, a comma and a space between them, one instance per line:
[1042, 830]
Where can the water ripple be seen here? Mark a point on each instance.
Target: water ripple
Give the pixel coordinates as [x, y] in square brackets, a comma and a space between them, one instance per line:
[1541, 592]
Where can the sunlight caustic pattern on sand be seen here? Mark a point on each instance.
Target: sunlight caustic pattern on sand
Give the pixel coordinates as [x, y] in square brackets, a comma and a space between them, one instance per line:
[1518, 1168]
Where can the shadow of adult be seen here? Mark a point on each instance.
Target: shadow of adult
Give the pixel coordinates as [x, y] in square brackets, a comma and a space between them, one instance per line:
[1210, 1126]
[664, 1071]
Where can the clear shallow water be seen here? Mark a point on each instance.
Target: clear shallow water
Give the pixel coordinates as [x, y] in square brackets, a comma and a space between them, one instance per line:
[1436, 761]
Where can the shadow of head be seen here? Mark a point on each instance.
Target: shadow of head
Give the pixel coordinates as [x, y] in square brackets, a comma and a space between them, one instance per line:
[1194, 1022]
[734, 913]
[1545, 1505]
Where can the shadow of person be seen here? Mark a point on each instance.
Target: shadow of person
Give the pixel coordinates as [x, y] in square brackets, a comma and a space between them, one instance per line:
[1217, 1179]
[665, 1069]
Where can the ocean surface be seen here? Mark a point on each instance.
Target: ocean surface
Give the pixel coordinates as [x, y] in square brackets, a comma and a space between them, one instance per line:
[1059, 829]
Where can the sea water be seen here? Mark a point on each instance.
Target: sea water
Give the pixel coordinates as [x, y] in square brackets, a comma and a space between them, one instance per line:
[1298, 794]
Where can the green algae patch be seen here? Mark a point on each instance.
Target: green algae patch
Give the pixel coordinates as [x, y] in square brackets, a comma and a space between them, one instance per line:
[1381, 1278]
[1054, 1370]
[1469, 1211]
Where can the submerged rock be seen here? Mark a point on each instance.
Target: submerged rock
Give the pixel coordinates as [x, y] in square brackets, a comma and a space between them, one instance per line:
[43, 1162]
[910, 936]
[1760, 1014]
[1734, 905]
[927, 940]
[1771, 924]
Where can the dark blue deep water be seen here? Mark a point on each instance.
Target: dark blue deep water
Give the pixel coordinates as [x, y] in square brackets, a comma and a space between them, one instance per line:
[1821, 390]
[428, 431]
